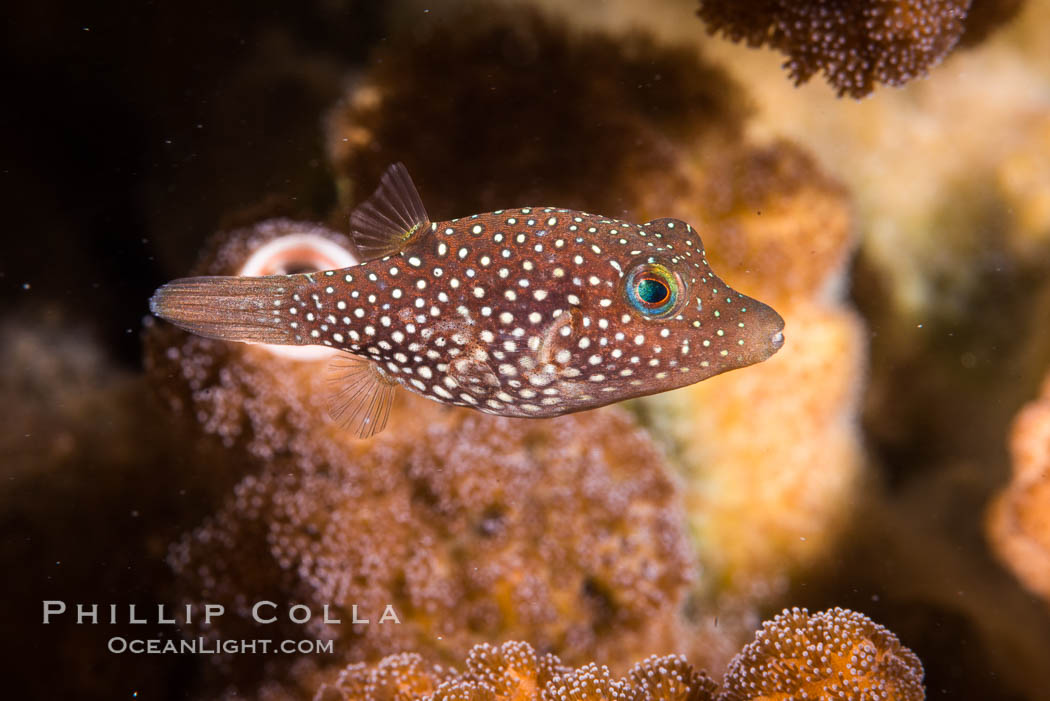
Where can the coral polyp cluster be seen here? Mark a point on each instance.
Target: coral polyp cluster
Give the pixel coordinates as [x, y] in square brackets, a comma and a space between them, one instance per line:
[835, 654]
[557, 531]
[1019, 519]
[857, 45]
[514, 671]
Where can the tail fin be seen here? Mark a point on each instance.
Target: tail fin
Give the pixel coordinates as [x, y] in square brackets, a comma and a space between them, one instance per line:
[229, 308]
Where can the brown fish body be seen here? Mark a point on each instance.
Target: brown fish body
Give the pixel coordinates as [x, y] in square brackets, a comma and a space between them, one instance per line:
[529, 312]
[521, 313]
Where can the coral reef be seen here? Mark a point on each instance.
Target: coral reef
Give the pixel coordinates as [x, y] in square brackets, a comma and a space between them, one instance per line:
[836, 654]
[803, 486]
[514, 671]
[775, 222]
[566, 532]
[1018, 521]
[856, 45]
[560, 532]
[511, 670]
[116, 176]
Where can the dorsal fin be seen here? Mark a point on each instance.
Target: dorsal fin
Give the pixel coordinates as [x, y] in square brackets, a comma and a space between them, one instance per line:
[389, 220]
[360, 395]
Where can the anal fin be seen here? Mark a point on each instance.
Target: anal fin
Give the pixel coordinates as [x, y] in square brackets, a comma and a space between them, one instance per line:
[391, 219]
[361, 395]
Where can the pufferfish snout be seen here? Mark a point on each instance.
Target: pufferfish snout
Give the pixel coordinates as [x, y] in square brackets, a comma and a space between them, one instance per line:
[528, 312]
[674, 308]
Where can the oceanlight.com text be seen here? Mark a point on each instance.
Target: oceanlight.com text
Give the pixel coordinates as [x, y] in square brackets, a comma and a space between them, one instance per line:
[200, 646]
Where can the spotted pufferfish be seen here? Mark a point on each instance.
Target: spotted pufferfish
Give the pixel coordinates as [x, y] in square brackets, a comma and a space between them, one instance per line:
[526, 312]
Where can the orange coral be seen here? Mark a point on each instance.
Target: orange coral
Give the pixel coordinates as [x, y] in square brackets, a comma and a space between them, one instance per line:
[1019, 519]
[514, 672]
[401, 677]
[834, 654]
[770, 214]
[856, 44]
[776, 459]
[781, 228]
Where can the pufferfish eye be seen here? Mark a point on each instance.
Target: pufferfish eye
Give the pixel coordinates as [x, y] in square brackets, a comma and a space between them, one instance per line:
[652, 289]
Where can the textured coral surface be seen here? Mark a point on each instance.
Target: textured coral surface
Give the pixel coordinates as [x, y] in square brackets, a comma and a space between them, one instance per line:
[782, 228]
[856, 45]
[514, 671]
[561, 532]
[834, 654]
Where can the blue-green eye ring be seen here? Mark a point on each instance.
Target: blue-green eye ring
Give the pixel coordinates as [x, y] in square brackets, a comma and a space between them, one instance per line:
[652, 289]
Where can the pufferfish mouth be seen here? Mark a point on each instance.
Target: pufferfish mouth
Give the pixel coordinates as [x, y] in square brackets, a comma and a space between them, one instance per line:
[301, 252]
[776, 339]
[772, 324]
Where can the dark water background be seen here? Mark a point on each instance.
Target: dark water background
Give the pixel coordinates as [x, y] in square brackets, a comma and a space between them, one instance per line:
[134, 130]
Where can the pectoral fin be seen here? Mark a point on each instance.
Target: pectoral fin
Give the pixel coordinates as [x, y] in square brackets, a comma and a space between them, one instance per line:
[361, 395]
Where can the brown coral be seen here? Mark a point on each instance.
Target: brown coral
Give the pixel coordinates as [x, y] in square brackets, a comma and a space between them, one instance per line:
[519, 121]
[770, 214]
[856, 44]
[562, 532]
[1019, 519]
[514, 672]
[834, 654]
